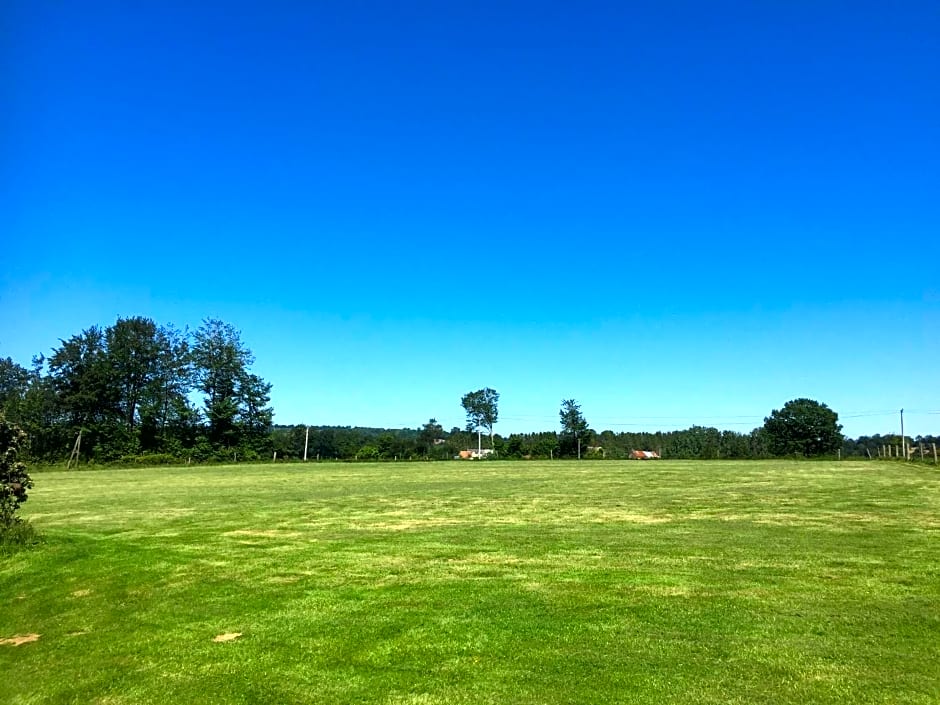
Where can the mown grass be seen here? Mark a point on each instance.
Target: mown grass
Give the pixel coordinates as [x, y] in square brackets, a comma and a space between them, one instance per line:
[594, 582]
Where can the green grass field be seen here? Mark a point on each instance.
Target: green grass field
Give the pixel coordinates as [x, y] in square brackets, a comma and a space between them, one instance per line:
[528, 582]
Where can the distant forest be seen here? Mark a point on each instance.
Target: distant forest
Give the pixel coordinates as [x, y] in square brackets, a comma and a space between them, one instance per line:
[139, 393]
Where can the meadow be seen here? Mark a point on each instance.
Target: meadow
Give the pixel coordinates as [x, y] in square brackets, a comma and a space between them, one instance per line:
[478, 582]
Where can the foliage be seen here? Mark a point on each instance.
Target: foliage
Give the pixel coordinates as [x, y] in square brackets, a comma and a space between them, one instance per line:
[574, 427]
[126, 388]
[432, 433]
[482, 410]
[14, 479]
[133, 390]
[803, 427]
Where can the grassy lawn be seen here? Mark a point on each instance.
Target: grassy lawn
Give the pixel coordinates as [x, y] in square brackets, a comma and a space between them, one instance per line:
[564, 582]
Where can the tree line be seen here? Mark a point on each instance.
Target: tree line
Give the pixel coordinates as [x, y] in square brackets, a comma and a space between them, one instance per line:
[138, 392]
[139, 389]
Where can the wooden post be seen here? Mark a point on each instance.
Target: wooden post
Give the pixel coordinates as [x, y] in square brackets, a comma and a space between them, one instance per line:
[921, 446]
[76, 450]
[275, 456]
[867, 450]
[934, 453]
[840, 453]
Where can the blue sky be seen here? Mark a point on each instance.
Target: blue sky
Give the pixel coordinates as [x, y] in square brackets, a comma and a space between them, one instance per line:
[673, 212]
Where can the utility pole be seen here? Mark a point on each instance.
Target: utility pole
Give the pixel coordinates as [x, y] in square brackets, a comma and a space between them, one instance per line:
[903, 440]
[306, 439]
[76, 450]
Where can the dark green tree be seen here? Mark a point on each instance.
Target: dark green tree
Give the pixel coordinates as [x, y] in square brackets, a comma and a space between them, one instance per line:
[220, 359]
[236, 401]
[803, 427]
[81, 379]
[168, 419]
[14, 384]
[574, 427]
[482, 411]
[133, 356]
[431, 433]
[255, 415]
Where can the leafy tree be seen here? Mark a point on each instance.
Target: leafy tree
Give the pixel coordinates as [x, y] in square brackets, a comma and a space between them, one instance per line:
[14, 384]
[236, 401]
[482, 411]
[255, 415]
[14, 480]
[430, 433]
[168, 419]
[574, 427]
[133, 355]
[803, 427]
[80, 375]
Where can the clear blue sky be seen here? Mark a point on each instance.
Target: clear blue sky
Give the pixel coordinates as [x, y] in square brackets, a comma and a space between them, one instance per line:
[674, 212]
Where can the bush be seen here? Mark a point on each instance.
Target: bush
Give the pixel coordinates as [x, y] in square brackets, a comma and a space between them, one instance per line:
[14, 482]
[20, 534]
[149, 460]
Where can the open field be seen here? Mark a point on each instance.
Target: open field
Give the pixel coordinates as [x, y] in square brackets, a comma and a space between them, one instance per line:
[529, 582]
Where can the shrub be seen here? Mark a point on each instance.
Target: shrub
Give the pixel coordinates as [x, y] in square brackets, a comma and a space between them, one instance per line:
[14, 481]
[149, 460]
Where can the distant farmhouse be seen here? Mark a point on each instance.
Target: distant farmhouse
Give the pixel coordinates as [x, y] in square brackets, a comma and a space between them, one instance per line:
[644, 455]
[472, 454]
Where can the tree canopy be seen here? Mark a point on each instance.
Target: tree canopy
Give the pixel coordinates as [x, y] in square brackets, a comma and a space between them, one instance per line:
[803, 427]
[574, 427]
[482, 410]
[129, 390]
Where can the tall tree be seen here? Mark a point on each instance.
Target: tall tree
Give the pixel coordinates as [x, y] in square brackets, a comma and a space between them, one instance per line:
[574, 427]
[133, 355]
[482, 411]
[168, 418]
[255, 416]
[803, 427]
[14, 384]
[40, 415]
[430, 434]
[220, 360]
[236, 401]
[81, 379]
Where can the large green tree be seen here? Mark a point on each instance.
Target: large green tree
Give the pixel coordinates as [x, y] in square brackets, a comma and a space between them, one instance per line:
[429, 435]
[14, 384]
[574, 427]
[803, 427]
[133, 356]
[81, 377]
[236, 401]
[168, 418]
[482, 407]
